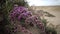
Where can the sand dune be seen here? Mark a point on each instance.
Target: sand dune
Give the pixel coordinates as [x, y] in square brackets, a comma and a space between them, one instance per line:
[47, 8]
[54, 10]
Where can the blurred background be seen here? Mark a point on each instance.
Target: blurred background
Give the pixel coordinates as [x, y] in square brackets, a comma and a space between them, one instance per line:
[50, 6]
[47, 10]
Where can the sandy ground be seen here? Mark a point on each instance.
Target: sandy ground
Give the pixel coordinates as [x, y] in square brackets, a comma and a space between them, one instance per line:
[54, 10]
[55, 20]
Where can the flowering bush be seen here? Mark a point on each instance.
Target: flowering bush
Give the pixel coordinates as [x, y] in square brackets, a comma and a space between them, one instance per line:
[24, 17]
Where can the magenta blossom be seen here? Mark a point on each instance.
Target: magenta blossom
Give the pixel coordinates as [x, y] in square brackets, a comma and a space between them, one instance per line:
[24, 17]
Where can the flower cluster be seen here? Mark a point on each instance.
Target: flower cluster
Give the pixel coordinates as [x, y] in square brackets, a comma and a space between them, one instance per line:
[35, 21]
[19, 12]
[22, 14]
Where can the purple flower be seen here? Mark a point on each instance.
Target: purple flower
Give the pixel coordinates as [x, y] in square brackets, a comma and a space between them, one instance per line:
[15, 8]
[31, 19]
[21, 13]
[19, 17]
[24, 15]
[29, 13]
[21, 8]
[38, 21]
